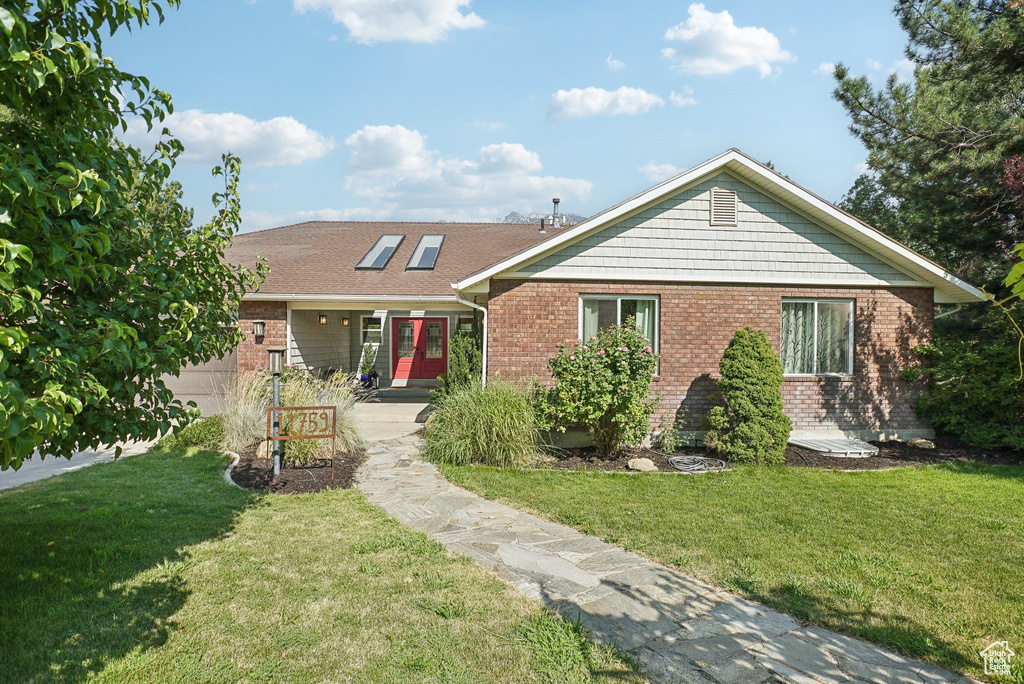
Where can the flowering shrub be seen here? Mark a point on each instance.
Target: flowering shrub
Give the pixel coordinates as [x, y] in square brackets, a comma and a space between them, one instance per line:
[603, 385]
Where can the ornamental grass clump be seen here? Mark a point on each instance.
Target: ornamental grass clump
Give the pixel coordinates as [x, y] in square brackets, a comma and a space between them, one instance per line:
[303, 387]
[750, 426]
[245, 402]
[494, 425]
[603, 385]
[248, 398]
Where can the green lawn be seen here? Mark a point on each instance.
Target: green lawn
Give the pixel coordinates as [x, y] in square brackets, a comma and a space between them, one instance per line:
[153, 569]
[926, 561]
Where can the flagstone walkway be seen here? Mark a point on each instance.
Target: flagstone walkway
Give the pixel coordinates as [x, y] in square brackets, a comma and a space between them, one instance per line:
[680, 629]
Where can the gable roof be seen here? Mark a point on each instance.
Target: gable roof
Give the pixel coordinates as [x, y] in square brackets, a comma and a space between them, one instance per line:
[947, 286]
[318, 258]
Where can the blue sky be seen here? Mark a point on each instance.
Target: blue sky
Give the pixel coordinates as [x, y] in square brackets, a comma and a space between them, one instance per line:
[457, 110]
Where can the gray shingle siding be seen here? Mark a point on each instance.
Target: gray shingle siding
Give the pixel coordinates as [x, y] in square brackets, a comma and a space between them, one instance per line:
[674, 239]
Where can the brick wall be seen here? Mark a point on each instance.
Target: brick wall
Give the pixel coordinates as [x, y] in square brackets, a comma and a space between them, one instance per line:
[252, 352]
[528, 319]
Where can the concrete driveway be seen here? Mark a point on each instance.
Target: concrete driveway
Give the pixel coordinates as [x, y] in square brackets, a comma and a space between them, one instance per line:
[38, 468]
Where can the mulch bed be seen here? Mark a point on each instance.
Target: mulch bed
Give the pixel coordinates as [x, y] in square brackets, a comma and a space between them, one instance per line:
[258, 473]
[890, 455]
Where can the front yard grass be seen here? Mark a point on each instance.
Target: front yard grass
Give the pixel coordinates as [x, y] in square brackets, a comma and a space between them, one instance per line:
[153, 569]
[926, 561]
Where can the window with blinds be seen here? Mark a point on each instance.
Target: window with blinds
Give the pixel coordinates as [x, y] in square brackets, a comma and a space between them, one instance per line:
[724, 211]
[817, 337]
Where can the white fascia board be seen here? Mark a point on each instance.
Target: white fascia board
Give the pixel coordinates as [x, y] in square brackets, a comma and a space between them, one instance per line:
[271, 297]
[481, 287]
[595, 222]
[711, 278]
[869, 237]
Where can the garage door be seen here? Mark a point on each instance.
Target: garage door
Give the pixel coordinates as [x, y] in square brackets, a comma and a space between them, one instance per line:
[204, 384]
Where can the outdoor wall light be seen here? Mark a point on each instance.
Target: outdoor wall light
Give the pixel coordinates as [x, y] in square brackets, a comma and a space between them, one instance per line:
[323, 319]
[344, 322]
[275, 362]
[258, 328]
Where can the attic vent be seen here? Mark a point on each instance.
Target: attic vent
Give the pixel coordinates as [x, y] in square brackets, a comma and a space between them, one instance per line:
[723, 207]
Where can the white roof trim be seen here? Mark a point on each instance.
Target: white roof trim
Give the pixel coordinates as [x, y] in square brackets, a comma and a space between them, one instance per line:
[873, 241]
[709, 278]
[271, 297]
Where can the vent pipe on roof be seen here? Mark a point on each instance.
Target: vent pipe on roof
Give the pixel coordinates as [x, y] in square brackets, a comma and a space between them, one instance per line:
[541, 229]
[555, 222]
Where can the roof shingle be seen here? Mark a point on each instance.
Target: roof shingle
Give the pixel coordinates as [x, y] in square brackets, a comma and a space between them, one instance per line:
[319, 257]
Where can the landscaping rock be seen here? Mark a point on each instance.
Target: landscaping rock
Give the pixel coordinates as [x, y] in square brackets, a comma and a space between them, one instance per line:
[644, 465]
[919, 443]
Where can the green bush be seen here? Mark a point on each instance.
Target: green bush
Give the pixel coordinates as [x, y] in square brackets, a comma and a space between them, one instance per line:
[494, 425]
[973, 391]
[667, 438]
[750, 426]
[366, 366]
[603, 385]
[465, 363]
[207, 433]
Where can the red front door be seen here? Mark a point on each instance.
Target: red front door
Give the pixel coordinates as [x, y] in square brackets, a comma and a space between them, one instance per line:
[419, 348]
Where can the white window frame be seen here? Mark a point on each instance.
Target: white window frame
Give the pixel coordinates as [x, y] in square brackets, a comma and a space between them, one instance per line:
[655, 343]
[849, 322]
[363, 329]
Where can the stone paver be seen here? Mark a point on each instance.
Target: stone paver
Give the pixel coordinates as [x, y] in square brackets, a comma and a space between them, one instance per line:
[680, 629]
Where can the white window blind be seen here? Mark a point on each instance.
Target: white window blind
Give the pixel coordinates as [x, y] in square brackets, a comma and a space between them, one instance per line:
[817, 337]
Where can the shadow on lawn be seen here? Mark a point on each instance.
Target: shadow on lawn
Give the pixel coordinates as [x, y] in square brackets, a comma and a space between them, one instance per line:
[92, 560]
[651, 618]
[986, 470]
[893, 631]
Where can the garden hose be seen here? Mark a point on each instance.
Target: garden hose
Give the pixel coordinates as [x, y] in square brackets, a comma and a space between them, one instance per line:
[696, 464]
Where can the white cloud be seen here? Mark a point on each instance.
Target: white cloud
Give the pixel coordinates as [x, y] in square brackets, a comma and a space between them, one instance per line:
[614, 64]
[394, 171]
[659, 172]
[582, 102]
[861, 168]
[416, 21]
[904, 70]
[281, 141]
[683, 99]
[825, 69]
[712, 44]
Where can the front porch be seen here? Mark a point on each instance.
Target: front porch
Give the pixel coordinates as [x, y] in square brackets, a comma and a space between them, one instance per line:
[408, 341]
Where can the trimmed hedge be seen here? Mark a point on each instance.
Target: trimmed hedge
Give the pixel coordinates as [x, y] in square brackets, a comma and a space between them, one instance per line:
[750, 426]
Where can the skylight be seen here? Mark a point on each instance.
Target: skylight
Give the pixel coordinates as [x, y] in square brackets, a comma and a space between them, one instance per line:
[426, 252]
[381, 252]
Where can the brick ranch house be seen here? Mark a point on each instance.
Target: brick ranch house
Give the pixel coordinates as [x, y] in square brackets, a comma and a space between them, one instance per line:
[726, 244]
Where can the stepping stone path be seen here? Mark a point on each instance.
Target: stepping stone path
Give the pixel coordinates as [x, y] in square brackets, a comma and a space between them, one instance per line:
[678, 628]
